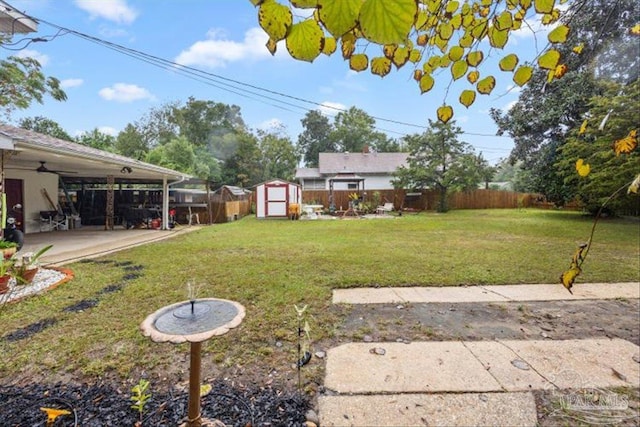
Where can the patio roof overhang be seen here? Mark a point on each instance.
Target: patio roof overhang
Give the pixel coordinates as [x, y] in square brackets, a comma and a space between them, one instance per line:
[76, 163]
[12, 21]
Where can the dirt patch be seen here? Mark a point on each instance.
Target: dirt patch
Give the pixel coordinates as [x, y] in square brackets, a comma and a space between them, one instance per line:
[489, 321]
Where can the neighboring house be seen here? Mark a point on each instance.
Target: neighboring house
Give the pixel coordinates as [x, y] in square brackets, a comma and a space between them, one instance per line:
[348, 171]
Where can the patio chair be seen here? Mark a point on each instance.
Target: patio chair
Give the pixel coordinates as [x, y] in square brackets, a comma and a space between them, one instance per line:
[387, 207]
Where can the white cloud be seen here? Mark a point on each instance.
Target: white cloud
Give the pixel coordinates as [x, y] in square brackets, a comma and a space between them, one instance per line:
[272, 125]
[509, 106]
[69, 83]
[218, 51]
[331, 108]
[40, 57]
[113, 10]
[123, 92]
[462, 119]
[108, 130]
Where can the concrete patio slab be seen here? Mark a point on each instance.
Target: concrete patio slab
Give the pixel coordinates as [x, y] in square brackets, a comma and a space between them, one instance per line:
[558, 292]
[507, 367]
[504, 293]
[416, 367]
[456, 366]
[587, 363]
[469, 409]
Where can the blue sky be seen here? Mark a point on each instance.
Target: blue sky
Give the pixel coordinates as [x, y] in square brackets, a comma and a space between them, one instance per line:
[107, 89]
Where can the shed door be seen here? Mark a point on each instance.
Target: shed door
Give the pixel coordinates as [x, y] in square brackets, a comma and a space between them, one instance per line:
[276, 200]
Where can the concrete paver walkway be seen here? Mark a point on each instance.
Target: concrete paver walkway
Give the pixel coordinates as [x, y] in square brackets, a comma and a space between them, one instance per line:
[503, 293]
[469, 382]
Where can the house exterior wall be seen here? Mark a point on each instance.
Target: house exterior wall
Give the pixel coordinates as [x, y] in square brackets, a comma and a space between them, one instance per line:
[34, 200]
[378, 182]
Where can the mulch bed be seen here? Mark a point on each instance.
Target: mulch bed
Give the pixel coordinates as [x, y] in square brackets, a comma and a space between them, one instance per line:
[103, 404]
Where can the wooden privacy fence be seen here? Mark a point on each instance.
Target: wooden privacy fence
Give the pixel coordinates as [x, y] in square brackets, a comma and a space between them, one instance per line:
[428, 199]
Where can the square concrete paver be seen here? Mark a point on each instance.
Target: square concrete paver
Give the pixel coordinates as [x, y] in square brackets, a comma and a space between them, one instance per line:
[415, 367]
[507, 367]
[580, 364]
[469, 409]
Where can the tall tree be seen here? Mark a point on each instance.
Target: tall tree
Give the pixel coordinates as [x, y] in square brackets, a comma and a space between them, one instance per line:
[23, 82]
[279, 156]
[438, 160]
[45, 126]
[199, 121]
[315, 138]
[97, 139]
[609, 171]
[131, 143]
[354, 131]
[243, 168]
[546, 112]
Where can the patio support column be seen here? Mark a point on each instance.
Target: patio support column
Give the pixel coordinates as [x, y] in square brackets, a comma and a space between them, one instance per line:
[108, 224]
[165, 203]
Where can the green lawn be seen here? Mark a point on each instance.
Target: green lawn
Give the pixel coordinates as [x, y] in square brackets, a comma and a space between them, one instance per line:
[268, 266]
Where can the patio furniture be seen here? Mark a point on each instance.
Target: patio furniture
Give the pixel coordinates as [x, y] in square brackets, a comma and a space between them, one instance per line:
[53, 220]
[382, 210]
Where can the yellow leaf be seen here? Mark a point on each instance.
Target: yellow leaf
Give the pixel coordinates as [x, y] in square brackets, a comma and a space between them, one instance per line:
[526, 4]
[473, 77]
[627, 144]
[486, 85]
[479, 29]
[456, 21]
[522, 75]
[339, 16]
[544, 6]
[275, 19]
[635, 30]
[389, 50]
[467, 97]
[305, 40]
[329, 46]
[452, 6]
[384, 21]
[466, 41]
[498, 38]
[549, 60]
[417, 75]
[578, 48]
[583, 127]
[415, 56]
[445, 30]
[635, 185]
[503, 21]
[205, 389]
[455, 53]
[426, 83]
[272, 46]
[458, 69]
[358, 62]
[380, 66]
[475, 58]
[559, 34]
[552, 17]
[434, 61]
[400, 57]
[422, 40]
[583, 168]
[560, 71]
[445, 113]
[348, 45]
[551, 74]
[569, 277]
[509, 62]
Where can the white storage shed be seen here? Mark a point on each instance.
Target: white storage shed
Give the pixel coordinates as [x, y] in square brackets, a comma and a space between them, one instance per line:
[274, 198]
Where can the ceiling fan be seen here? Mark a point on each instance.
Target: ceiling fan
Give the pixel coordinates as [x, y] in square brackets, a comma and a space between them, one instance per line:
[44, 169]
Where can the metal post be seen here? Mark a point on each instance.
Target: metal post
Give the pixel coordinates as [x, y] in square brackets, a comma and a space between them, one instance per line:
[193, 416]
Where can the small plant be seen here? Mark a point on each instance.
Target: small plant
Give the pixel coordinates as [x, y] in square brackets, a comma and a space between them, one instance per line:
[140, 395]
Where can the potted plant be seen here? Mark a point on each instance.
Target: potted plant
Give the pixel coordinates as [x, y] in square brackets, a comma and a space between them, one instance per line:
[8, 248]
[6, 266]
[26, 268]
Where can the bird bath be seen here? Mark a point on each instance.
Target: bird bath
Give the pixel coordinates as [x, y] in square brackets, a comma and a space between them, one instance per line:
[193, 321]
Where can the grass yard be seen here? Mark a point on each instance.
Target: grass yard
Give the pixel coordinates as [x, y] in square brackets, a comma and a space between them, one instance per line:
[268, 266]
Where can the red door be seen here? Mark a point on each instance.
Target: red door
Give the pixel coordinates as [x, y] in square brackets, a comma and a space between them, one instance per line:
[13, 189]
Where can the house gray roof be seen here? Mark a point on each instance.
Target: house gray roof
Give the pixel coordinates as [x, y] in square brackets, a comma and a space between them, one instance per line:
[308, 173]
[361, 163]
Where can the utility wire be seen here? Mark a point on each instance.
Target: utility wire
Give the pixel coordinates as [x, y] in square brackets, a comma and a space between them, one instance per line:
[224, 83]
